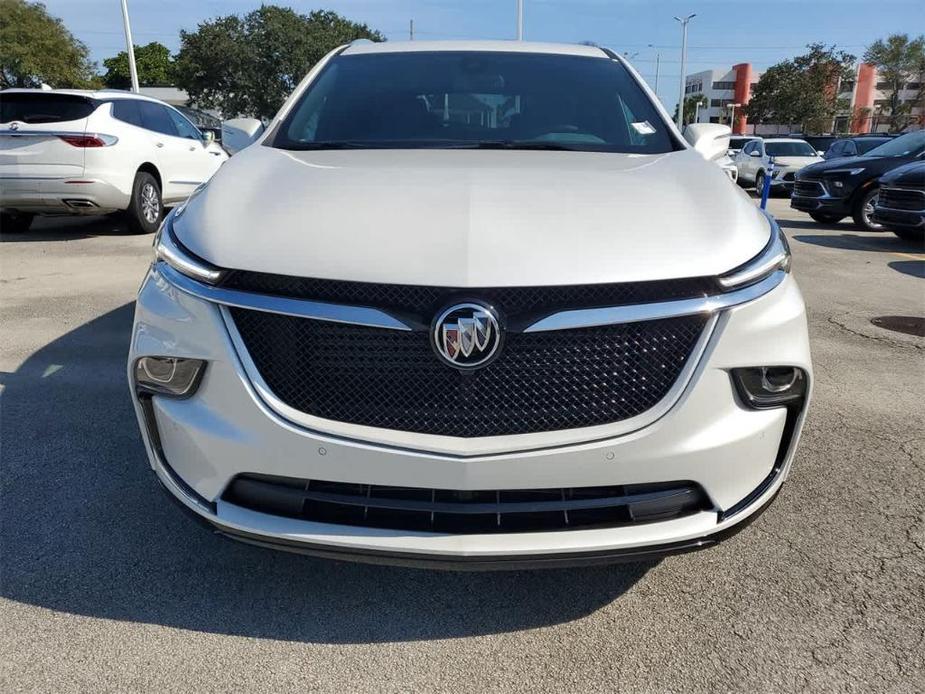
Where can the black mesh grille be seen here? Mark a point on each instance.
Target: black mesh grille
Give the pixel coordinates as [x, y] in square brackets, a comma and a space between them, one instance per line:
[392, 379]
[423, 300]
[902, 199]
[808, 189]
[456, 511]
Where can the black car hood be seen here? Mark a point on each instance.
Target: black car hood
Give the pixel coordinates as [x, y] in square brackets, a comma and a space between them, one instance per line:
[873, 165]
[909, 175]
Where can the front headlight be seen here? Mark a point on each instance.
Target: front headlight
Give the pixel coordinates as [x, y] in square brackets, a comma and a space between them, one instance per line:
[169, 250]
[775, 256]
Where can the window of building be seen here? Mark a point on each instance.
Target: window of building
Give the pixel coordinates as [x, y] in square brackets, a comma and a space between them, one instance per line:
[724, 85]
[914, 85]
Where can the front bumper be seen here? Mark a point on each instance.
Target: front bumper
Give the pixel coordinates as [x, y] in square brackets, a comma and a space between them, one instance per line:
[61, 196]
[908, 219]
[739, 457]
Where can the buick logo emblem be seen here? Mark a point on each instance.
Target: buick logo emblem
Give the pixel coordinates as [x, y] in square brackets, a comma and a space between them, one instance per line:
[467, 335]
[14, 126]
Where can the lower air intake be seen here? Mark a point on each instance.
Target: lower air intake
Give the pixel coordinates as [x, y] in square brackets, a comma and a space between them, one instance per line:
[466, 512]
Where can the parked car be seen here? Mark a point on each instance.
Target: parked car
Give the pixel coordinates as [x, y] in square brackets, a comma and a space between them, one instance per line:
[416, 349]
[787, 156]
[835, 189]
[853, 146]
[737, 142]
[97, 152]
[820, 143]
[206, 122]
[900, 205]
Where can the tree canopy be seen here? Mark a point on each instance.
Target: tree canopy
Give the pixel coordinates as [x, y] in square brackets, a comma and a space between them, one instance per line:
[36, 47]
[153, 63]
[248, 65]
[802, 91]
[690, 108]
[898, 59]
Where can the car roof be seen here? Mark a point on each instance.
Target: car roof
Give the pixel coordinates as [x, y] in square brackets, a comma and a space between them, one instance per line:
[100, 94]
[784, 139]
[369, 47]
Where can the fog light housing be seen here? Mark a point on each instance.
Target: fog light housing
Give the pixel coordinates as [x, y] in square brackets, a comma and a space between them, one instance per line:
[174, 377]
[762, 387]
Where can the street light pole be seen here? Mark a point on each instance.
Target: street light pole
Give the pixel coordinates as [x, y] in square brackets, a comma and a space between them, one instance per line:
[129, 47]
[520, 20]
[684, 23]
[658, 60]
[697, 112]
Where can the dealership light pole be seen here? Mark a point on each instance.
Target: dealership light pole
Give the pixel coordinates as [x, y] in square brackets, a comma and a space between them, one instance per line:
[684, 23]
[520, 20]
[658, 60]
[129, 46]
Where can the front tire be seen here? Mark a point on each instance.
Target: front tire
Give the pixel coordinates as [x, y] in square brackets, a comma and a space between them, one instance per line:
[759, 184]
[146, 209]
[15, 222]
[823, 218]
[864, 208]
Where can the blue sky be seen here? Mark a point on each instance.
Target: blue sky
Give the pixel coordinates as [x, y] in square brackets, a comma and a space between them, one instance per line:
[723, 33]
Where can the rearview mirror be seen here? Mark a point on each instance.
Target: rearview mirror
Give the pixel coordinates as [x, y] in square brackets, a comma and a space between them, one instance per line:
[710, 139]
[239, 133]
[208, 137]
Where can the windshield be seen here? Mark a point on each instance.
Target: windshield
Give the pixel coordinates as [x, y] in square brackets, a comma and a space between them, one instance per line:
[28, 107]
[739, 142]
[463, 99]
[797, 148]
[868, 143]
[906, 145]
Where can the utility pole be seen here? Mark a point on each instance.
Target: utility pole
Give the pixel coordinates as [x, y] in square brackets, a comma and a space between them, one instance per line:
[520, 20]
[411, 31]
[129, 47]
[658, 60]
[684, 23]
[697, 112]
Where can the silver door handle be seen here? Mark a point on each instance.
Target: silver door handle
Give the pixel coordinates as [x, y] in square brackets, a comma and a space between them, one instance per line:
[192, 149]
[160, 144]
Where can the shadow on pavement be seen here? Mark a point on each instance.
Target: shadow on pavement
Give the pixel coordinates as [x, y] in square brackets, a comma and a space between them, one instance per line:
[916, 268]
[68, 229]
[85, 529]
[872, 241]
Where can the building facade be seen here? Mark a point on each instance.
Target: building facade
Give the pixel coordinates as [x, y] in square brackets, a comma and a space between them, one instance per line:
[727, 90]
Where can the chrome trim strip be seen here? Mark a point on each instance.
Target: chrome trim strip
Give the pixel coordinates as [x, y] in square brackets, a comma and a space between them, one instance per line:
[187, 183]
[316, 310]
[593, 317]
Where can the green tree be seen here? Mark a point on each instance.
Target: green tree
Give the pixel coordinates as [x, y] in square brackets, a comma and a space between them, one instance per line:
[249, 65]
[153, 62]
[690, 108]
[898, 59]
[802, 92]
[36, 47]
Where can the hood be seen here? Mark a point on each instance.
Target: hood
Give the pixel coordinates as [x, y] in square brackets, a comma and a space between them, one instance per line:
[870, 164]
[907, 176]
[796, 162]
[473, 218]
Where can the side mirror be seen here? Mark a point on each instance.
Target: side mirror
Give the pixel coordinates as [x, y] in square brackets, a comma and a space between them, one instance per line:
[239, 133]
[819, 153]
[208, 137]
[710, 139]
[754, 153]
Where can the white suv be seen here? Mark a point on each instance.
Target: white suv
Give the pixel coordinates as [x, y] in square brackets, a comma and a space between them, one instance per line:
[96, 152]
[492, 311]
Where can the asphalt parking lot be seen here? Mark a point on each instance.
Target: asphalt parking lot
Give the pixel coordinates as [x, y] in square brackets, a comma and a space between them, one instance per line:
[105, 586]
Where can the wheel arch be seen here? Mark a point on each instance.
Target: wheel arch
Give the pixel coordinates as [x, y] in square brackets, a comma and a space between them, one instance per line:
[148, 167]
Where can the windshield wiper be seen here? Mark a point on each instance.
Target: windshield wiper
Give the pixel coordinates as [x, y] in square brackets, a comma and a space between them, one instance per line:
[525, 144]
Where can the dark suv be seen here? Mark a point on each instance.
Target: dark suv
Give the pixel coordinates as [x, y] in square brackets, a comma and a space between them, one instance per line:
[854, 146]
[901, 204]
[832, 190]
